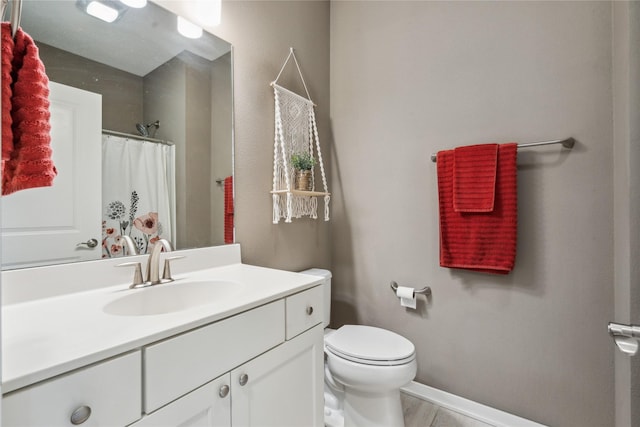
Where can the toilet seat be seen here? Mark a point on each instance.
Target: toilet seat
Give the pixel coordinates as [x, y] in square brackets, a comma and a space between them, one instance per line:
[370, 346]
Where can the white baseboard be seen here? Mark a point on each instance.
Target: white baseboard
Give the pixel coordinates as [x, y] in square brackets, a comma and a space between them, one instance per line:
[467, 407]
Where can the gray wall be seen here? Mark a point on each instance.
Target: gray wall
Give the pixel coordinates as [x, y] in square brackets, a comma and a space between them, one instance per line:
[165, 95]
[199, 151]
[261, 33]
[222, 137]
[626, 67]
[411, 78]
[408, 79]
[121, 91]
[634, 214]
[184, 108]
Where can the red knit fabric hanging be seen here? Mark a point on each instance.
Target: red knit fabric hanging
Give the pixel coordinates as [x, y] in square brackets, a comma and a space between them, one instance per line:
[26, 158]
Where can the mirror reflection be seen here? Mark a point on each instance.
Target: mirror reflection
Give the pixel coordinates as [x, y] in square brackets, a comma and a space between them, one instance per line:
[141, 122]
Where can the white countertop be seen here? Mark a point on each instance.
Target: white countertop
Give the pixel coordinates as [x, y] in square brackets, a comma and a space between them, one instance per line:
[46, 337]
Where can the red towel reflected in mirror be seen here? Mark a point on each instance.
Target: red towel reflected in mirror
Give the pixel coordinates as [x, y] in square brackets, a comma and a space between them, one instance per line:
[26, 128]
[228, 209]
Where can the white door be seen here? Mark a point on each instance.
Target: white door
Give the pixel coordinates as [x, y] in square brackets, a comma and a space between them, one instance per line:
[43, 226]
[283, 387]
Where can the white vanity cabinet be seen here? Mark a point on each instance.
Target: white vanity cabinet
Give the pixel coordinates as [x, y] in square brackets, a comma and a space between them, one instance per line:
[279, 383]
[282, 387]
[260, 367]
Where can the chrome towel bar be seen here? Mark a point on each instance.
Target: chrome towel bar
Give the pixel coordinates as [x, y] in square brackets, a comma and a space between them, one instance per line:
[566, 143]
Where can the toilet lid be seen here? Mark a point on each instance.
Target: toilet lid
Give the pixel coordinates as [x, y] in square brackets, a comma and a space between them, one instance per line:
[370, 345]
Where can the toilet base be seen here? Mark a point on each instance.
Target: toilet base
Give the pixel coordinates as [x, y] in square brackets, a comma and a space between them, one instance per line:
[333, 417]
[363, 409]
[333, 413]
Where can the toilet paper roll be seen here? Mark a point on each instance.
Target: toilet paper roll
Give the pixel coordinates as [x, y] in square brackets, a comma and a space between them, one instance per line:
[407, 296]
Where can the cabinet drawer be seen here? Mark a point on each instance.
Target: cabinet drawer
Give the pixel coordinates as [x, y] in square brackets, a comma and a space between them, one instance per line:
[178, 365]
[304, 311]
[111, 389]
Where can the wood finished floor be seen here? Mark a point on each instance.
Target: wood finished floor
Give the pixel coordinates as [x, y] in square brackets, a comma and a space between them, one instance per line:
[420, 413]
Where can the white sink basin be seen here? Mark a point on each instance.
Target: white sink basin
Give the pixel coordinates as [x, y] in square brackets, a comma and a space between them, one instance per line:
[172, 297]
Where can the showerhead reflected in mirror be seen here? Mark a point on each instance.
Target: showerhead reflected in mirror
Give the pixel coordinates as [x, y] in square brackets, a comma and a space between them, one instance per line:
[143, 130]
[138, 85]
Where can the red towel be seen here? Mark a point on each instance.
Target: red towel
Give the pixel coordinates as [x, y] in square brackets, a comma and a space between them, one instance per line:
[228, 209]
[474, 177]
[26, 157]
[479, 241]
[6, 52]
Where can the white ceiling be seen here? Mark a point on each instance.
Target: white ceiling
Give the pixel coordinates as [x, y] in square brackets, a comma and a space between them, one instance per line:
[138, 42]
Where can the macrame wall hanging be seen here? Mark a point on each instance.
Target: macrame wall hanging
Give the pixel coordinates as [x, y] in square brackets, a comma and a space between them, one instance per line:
[294, 190]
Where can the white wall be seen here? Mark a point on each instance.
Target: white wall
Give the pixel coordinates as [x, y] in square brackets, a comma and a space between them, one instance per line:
[411, 78]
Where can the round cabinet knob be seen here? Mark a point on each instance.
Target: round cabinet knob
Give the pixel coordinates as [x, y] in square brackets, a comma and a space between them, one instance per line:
[80, 415]
[309, 310]
[244, 378]
[224, 391]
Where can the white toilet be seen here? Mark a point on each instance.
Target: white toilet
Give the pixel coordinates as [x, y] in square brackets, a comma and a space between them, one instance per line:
[365, 367]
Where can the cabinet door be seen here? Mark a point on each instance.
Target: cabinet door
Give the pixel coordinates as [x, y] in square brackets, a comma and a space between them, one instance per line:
[206, 406]
[282, 387]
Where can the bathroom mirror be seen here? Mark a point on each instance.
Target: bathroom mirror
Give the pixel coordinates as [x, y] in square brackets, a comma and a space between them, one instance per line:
[147, 87]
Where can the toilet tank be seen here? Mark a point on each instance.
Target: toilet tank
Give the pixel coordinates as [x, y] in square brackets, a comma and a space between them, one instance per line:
[326, 289]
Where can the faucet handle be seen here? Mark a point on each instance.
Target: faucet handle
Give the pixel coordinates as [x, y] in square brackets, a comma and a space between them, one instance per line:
[137, 275]
[166, 273]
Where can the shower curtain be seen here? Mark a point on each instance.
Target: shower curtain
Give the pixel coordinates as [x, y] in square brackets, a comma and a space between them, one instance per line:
[138, 194]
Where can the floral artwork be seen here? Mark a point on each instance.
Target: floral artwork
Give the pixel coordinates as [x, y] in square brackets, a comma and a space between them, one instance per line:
[145, 229]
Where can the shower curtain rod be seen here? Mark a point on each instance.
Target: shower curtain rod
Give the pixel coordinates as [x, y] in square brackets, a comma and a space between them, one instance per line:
[566, 143]
[138, 137]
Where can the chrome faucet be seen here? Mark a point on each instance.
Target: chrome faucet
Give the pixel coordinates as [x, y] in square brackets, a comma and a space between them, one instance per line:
[153, 262]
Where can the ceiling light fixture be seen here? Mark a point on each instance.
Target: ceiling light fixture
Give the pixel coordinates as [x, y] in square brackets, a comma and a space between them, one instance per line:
[102, 11]
[137, 4]
[189, 29]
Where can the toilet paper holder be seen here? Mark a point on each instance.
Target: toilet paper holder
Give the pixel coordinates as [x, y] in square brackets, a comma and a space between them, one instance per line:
[424, 291]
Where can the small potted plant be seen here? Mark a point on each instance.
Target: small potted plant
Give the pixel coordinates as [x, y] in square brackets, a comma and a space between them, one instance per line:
[303, 164]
